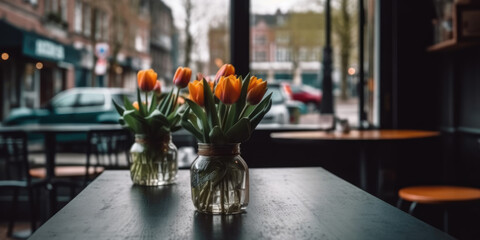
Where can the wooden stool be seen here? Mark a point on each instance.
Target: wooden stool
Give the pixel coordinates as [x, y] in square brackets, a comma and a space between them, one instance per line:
[437, 195]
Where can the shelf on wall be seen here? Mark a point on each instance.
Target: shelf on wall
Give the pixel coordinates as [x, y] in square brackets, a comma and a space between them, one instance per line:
[450, 45]
[465, 25]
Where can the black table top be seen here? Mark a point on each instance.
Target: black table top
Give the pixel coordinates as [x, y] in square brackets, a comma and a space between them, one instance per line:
[285, 203]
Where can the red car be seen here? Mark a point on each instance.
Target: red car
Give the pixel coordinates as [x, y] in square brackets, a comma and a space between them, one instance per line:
[306, 94]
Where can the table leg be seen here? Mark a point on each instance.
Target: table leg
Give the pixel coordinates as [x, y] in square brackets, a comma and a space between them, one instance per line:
[50, 151]
[363, 168]
[50, 144]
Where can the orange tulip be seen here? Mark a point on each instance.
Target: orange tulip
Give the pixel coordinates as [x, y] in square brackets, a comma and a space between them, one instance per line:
[256, 90]
[146, 80]
[135, 105]
[225, 71]
[200, 76]
[158, 88]
[228, 89]
[196, 92]
[182, 77]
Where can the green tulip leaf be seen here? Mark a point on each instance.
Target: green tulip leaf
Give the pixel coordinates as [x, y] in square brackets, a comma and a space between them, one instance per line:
[119, 109]
[153, 103]
[170, 102]
[156, 117]
[127, 104]
[165, 102]
[198, 111]
[239, 132]
[189, 127]
[217, 136]
[260, 106]
[176, 128]
[187, 115]
[210, 108]
[133, 121]
[141, 108]
[240, 104]
[121, 121]
[257, 118]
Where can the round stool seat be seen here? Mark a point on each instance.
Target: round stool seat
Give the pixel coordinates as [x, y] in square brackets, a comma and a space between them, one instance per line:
[66, 171]
[439, 194]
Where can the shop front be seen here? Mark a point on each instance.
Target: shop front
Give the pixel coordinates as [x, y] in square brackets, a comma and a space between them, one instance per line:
[35, 70]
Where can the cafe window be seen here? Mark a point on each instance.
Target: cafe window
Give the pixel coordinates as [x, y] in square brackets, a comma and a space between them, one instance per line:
[298, 39]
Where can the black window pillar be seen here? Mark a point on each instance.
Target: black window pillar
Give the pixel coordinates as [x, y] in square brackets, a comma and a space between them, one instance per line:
[326, 106]
[362, 117]
[240, 35]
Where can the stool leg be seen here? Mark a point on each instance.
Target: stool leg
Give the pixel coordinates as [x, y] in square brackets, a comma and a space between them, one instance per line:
[33, 213]
[445, 220]
[53, 200]
[400, 204]
[413, 205]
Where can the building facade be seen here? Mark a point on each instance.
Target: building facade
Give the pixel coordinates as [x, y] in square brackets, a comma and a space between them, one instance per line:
[162, 39]
[283, 46]
[287, 47]
[52, 45]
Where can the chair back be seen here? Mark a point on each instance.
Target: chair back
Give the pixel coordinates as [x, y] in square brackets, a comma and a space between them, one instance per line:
[107, 146]
[14, 156]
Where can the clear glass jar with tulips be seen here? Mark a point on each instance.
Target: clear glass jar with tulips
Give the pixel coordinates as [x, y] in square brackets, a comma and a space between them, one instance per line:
[221, 114]
[153, 155]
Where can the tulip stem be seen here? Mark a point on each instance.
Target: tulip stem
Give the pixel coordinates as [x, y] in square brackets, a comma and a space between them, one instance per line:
[146, 103]
[176, 98]
[226, 116]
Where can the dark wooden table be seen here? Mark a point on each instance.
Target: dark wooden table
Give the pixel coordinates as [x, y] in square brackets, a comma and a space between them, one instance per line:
[285, 203]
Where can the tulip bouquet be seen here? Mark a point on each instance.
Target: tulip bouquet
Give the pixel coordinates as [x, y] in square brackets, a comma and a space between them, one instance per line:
[153, 118]
[152, 122]
[221, 114]
[225, 110]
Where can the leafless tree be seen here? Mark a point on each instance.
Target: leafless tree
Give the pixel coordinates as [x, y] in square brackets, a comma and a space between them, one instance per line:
[344, 29]
[188, 35]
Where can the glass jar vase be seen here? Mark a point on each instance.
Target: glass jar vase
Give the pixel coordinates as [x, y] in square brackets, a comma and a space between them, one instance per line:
[154, 162]
[219, 179]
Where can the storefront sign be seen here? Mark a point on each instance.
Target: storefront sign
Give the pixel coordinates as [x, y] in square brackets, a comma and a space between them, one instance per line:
[48, 49]
[43, 49]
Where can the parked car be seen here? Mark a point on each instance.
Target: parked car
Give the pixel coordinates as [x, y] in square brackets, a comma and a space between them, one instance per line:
[310, 96]
[284, 110]
[76, 105]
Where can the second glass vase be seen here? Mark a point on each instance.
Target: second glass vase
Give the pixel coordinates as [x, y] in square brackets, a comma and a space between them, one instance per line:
[154, 162]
